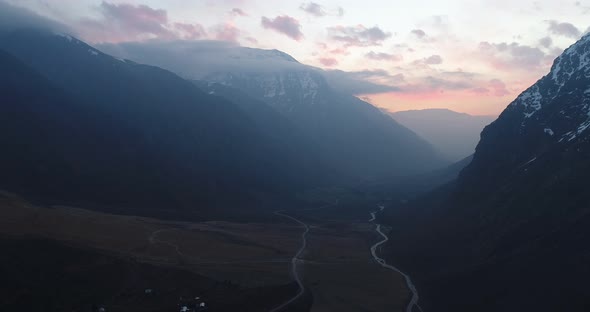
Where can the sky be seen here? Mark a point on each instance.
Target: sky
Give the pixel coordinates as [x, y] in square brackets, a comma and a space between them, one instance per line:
[471, 56]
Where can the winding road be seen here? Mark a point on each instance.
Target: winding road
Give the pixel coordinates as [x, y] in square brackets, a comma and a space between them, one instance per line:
[294, 261]
[414, 300]
[153, 239]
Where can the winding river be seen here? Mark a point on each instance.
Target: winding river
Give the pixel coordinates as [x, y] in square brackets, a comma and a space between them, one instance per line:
[294, 261]
[414, 300]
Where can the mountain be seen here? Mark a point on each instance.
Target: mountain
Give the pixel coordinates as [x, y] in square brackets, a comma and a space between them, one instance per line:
[454, 134]
[356, 137]
[85, 127]
[511, 234]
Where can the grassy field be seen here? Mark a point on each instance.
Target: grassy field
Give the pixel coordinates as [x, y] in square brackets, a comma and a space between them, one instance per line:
[341, 274]
[337, 267]
[246, 254]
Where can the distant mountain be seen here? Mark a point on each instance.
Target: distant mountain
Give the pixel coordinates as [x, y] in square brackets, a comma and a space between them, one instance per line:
[454, 134]
[513, 233]
[356, 137]
[82, 126]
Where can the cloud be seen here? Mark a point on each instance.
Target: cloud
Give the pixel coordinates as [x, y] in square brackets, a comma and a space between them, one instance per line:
[238, 12]
[422, 36]
[328, 61]
[339, 51]
[437, 83]
[358, 36]
[318, 10]
[252, 40]
[546, 42]
[454, 81]
[564, 29]
[190, 31]
[313, 9]
[195, 59]
[419, 33]
[13, 17]
[227, 32]
[364, 82]
[510, 56]
[433, 60]
[480, 90]
[494, 87]
[380, 56]
[135, 20]
[203, 58]
[284, 24]
[498, 87]
[127, 22]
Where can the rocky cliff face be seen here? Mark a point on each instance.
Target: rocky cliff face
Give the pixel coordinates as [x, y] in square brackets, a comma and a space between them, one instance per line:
[515, 227]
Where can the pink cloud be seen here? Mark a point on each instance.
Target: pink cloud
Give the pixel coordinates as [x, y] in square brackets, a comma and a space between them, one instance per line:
[339, 51]
[285, 25]
[494, 87]
[190, 31]
[322, 45]
[480, 90]
[328, 61]
[125, 22]
[227, 32]
[498, 87]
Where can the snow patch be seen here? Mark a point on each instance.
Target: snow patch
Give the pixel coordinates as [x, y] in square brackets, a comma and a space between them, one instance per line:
[528, 162]
[530, 100]
[549, 131]
[583, 126]
[93, 52]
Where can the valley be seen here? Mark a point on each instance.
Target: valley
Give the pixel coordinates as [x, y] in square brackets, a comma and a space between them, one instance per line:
[329, 265]
[207, 156]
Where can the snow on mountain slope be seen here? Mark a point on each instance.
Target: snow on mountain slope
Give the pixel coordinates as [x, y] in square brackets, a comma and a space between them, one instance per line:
[560, 99]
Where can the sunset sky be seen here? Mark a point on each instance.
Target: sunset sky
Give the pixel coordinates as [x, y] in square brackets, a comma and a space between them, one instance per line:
[468, 56]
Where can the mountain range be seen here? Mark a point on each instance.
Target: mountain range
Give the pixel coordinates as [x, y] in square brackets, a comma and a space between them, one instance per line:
[87, 127]
[358, 139]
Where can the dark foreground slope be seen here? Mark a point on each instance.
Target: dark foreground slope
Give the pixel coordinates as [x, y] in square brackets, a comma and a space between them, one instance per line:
[82, 126]
[512, 233]
[43, 275]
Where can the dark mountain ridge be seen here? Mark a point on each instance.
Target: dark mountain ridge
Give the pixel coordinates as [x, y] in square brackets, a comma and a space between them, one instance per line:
[510, 234]
[143, 136]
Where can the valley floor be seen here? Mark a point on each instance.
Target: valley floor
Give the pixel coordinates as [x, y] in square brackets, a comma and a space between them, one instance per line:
[336, 266]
